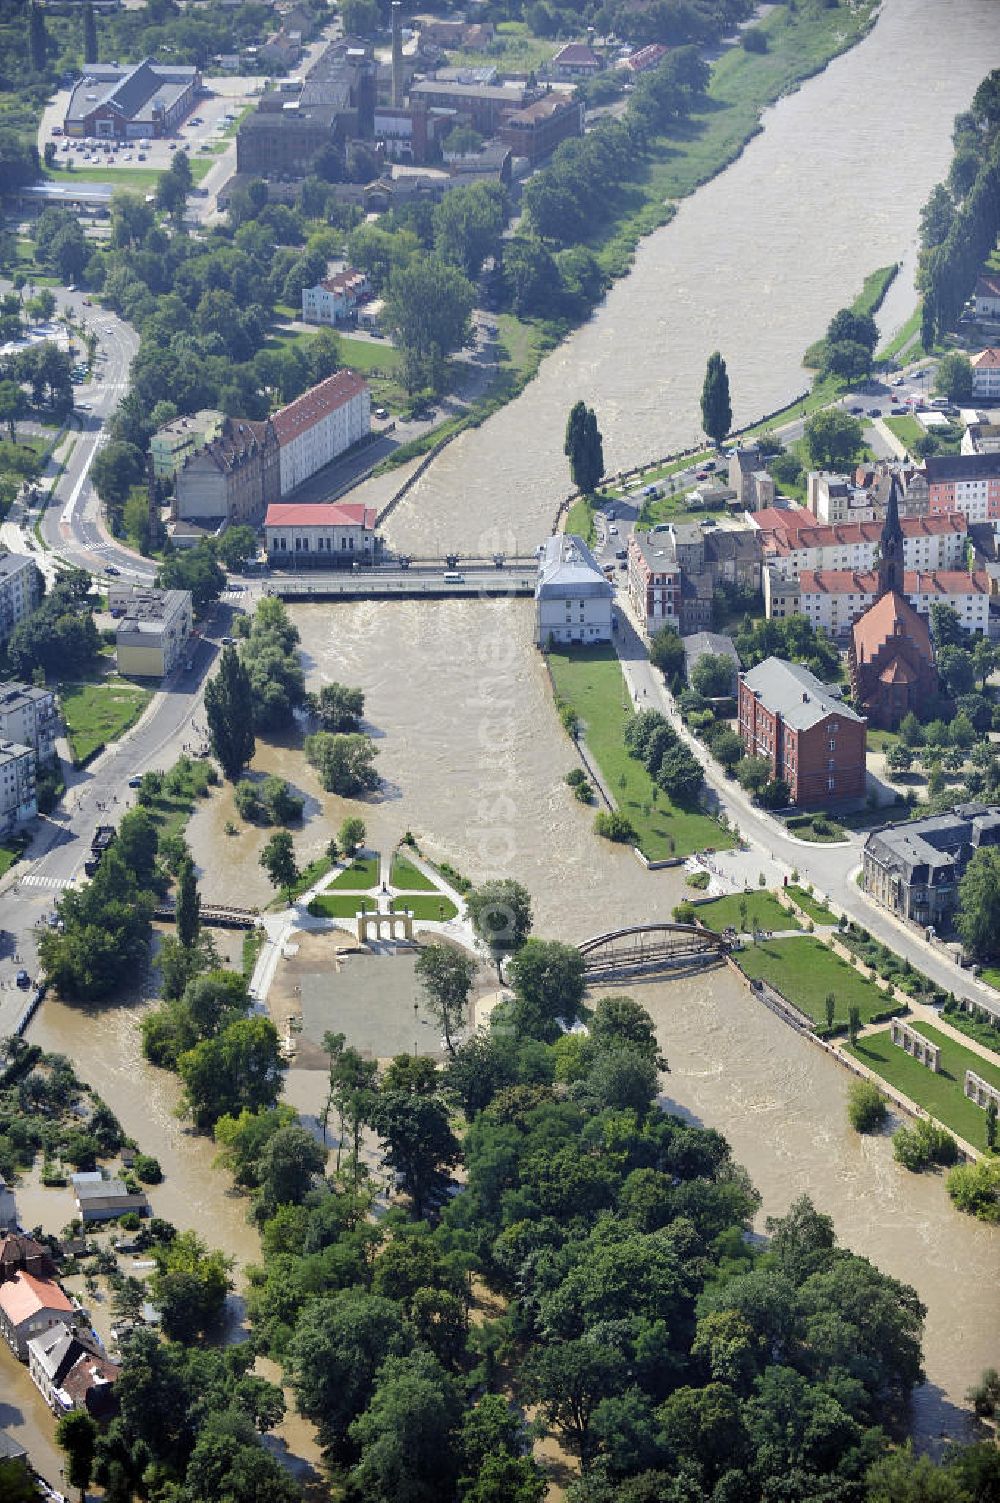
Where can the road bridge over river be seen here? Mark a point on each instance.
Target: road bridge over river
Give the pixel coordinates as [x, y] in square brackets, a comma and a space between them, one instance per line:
[434, 578]
[650, 950]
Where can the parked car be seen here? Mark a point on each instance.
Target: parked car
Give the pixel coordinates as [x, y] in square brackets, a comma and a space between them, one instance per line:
[135, 781]
[621, 553]
[381, 412]
[112, 569]
[874, 412]
[613, 531]
[229, 641]
[23, 979]
[857, 411]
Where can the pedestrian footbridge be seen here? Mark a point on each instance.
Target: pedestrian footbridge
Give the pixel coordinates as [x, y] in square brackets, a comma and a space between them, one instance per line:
[650, 950]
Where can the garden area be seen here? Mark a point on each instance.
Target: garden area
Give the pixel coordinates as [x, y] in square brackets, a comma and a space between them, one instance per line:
[975, 1025]
[889, 966]
[97, 713]
[810, 905]
[589, 681]
[359, 876]
[818, 828]
[746, 911]
[806, 971]
[941, 1093]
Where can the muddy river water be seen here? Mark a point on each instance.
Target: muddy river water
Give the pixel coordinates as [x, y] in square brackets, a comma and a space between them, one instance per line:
[471, 753]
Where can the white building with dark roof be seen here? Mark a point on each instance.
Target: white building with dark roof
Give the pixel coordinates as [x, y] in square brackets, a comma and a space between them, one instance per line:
[335, 299]
[28, 716]
[572, 596]
[20, 590]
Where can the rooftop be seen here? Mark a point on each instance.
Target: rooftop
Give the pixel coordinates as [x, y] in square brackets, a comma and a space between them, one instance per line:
[146, 609]
[798, 696]
[891, 616]
[317, 403]
[943, 582]
[567, 564]
[987, 286]
[988, 359]
[700, 643]
[320, 514]
[15, 563]
[24, 1295]
[16, 696]
[576, 53]
[942, 468]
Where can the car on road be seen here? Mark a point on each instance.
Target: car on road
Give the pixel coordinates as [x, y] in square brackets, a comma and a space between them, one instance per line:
[857, 411]
[135, 781]
[899, 411]
[381, 412]
[613, 531]
[874, 412]
[228, 641]
[111, 569]
[701, 474]
[23, 979]
[621, 553]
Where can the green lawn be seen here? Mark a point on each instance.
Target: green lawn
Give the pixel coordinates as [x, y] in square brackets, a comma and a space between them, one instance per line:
[310, 876]
[361, 874]
[817, 911]
[98, 713]
[590, 679]
[881, 741]
[368, 355]
[8, 855]
[122, 177]
[188, 781]
[802, 827]
[580, 521]
[762, 908]
[426, 906]
[941, 1093]
[340, 905]
[805, 970]
[516, 50]
[409, 877]
[906, 429]
[899, 342]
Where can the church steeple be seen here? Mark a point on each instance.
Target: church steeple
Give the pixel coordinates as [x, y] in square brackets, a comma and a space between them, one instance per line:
[890, 563]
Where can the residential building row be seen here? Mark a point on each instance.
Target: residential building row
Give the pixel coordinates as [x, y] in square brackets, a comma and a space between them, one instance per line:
[29, 723]
[674, 570]
[794, 541]
[834, 598]
[153, 629]
[21, 590]
[229, 470]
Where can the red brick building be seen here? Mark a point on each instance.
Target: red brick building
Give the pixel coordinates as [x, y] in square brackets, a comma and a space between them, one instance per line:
[811, 739]
[535, 131]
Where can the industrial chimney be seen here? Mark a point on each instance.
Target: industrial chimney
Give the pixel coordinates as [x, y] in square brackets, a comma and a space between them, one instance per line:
[397, 56]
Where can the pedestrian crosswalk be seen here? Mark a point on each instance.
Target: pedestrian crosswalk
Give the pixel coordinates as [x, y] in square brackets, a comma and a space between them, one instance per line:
[38, 879]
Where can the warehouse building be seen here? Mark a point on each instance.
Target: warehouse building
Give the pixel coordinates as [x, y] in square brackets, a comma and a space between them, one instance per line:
[137, 102]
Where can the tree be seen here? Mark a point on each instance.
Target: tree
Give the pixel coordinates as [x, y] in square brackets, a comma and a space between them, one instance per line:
[681, 776]
[991, 1124]
[340, 708]
[187, 904]
[946, 627]
[500, 914]
[236, 546]
[854, 328]
[830, 1009]
[899, 757]
[978, 916]
[446, 976]
[89, 33]
[229, 711]
[345, 763]
[351, 836]
[12, 406]
[853, 1023]
[568, 1379]
[584, 448]
[351, 1091]
[753, 774]
[866, 1108]
[666, 652]
[341, 1341]
[911, 732]
[286, 1170]
[428, 309]
[833, 438]
[548, 982]
[241, 1067]
[716, 407]
[419, 1145]
[954, 377]
[727, 749]
[38, 37]
[984, 660]
[468, 223]
[847, 359]
[116, 468]
[195, 569]
[278, 860]
[76, 1434]
[713, 675]
[407, 1435]
[189, 1286]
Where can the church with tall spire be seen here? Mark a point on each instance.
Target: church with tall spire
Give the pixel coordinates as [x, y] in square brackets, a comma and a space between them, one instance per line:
[891, 656]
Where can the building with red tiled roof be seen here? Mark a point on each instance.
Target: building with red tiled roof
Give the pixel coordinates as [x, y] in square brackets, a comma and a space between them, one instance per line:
[891, 656]
[793, 545]
[986, 375]
[987, 296]
[576, 60]
[28, 1306]
[536, 130]
[320, 425]
[327, 535]
[645, 58]
[335, 299]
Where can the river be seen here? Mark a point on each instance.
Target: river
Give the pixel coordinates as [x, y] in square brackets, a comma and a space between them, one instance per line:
[754, 264]
[472, 755]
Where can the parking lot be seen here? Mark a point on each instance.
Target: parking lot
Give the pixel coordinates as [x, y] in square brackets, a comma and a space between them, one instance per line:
[202, 134]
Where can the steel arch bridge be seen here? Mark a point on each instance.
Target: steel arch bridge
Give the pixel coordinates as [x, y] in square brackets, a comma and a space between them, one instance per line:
[646, 949]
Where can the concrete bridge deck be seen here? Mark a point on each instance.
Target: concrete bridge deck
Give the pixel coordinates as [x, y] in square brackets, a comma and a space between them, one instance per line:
[435, 579]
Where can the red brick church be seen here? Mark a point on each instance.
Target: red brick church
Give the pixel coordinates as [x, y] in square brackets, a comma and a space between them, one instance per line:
[891, 656]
